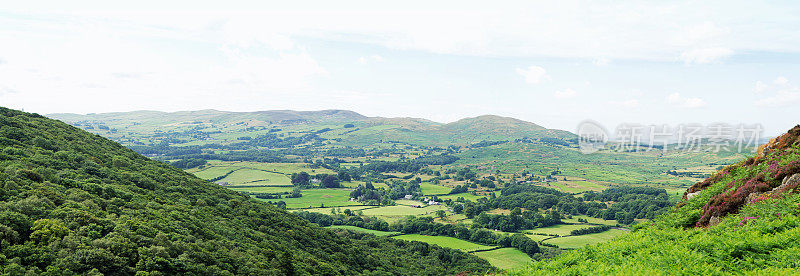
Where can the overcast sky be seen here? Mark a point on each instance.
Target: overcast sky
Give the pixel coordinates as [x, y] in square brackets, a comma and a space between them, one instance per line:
[553, 64]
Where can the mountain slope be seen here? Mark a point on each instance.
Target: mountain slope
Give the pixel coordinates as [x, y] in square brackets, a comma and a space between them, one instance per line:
[75, 202]
[743, 219]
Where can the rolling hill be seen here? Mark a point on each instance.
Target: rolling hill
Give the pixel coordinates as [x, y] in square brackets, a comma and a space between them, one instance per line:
[366, 131]
[744, 219]
[74, 202]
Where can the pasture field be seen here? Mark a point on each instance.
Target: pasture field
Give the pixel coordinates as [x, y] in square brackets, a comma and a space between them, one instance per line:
[408, 202]
[589, 219]
[316, 198]
[284, 168]
[432, 189]
[537, 237]
[394, 213]
[364, 230]
[558, 229]
[505, 258]
[577, 186]
[466, 196]
[211, 172]
[444, 241]
[327, 210]
[216, 168]
[354, 184]
[251, 177]
[584, 240]
[262, 189]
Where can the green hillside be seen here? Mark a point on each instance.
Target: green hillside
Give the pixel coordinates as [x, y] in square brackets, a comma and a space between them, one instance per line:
[77, 203]
[743, 219]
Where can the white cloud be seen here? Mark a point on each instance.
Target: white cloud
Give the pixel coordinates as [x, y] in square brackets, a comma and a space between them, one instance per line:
[782, 94]
[760, 87]
[565, 94]
[632, 103]
[601, 61]
[704, 33]
[534, 74]
[676, 99]
[372, 58]
[781, 98]
[781, 81]
[705, 55]
[620, 30]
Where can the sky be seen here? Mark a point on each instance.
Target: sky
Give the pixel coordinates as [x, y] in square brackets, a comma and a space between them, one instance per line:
[554, 63]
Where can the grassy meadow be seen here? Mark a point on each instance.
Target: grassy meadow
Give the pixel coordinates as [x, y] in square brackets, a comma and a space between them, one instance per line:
[505, 258]
[443, 241]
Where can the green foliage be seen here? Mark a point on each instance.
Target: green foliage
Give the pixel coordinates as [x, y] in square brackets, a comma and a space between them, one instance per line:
[47, 231]
[76, 203]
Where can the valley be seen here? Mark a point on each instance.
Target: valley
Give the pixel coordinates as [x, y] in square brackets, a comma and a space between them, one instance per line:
[349, 172]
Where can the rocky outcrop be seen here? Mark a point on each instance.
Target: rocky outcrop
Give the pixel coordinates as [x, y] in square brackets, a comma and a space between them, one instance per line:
[780, 175]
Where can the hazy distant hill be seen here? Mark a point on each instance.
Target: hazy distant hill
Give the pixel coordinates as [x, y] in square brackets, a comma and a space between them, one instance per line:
[407, 130]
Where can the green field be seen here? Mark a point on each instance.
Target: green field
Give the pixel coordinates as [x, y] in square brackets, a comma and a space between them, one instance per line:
[353, 184]
[212, 172]
[394, 213]
[537, 237]
[589, 219]
[327, 210]
[505, 258]
[558, 229]
[364, 230]
[445, 241]
[432, 189]
[315, 198]
[466, 196]
[252, 177]
[584, 240]
[263, 189]
[577, 186]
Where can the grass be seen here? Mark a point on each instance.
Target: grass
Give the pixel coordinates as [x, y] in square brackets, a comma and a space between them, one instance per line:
[263, 189]
[432, 189]
[256, 177]
[559, 229]
[444, 241]
[364, 230]
[537, 237]
[211, 172]
[577, 186]
[584, 240]
[505, 258]
[402, 211]
[466, 196]
[408, 202]
[327, 210]
[589, 219]
[354, 184]
[315, 198]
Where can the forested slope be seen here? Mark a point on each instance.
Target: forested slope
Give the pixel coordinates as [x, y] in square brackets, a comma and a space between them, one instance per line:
[74, 202]
[743, 219]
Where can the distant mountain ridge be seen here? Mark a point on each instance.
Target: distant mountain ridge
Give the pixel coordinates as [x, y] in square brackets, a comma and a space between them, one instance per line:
[401, 129]
[277, 116]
